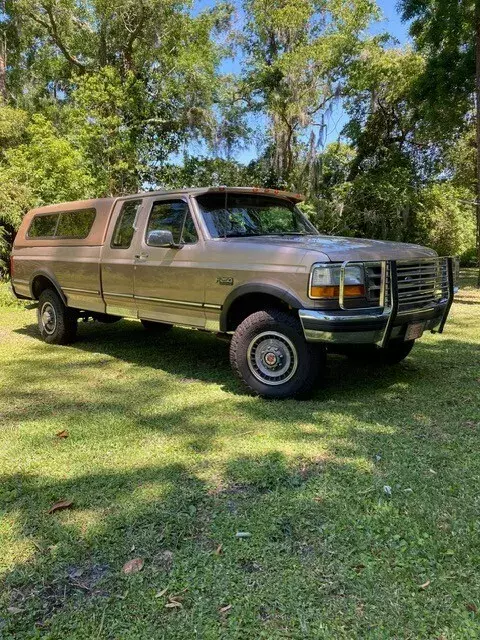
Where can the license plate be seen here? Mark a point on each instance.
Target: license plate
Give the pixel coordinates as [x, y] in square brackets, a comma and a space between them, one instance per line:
[414, 330]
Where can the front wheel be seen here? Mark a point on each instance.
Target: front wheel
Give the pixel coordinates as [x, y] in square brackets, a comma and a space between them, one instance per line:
[269, 353]
[56, 322]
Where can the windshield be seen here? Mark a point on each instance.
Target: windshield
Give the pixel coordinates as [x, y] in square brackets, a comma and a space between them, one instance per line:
[230, 215]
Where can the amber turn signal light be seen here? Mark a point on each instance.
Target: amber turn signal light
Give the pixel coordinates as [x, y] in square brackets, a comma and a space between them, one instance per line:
[333, 292]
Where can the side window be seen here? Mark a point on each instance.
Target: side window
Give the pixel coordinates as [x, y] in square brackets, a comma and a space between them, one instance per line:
[43, 226]
[75, 224]
[123, 232]
[168, 215]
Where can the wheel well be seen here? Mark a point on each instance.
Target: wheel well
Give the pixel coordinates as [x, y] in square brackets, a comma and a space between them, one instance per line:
[249, 303]
[39, 284]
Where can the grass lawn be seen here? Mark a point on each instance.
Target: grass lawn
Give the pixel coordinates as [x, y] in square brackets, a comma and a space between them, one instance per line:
[167, 459]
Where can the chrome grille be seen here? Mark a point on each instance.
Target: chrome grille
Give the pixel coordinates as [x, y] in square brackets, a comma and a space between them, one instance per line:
[421, 283]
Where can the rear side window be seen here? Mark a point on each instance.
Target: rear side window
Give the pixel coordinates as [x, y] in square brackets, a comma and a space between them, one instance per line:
[75, 224]
[69, 224]
[43, 226]
[124, 230]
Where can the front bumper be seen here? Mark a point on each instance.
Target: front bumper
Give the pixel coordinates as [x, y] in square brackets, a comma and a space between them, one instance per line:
[364, 328]
[379, 325]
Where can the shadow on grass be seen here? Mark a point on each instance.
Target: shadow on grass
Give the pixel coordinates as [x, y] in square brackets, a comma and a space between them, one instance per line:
[324, 540]
[167, 516]
[192, 356]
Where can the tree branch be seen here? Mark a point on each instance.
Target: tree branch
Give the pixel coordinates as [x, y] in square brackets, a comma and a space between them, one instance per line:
[52, 29]
[128, 53]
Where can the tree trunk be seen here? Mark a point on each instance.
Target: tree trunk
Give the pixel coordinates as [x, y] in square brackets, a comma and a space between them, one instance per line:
[477, 101]
[3, 68]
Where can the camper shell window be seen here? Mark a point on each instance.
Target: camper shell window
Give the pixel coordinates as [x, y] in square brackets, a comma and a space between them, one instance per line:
[68, 224]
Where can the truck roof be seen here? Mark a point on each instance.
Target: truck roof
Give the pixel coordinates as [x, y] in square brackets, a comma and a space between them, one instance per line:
[104, 207]
[106, 203]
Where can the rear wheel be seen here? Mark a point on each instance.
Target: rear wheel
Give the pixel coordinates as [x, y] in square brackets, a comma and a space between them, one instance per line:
[156, 328]
[395, 352]
[269, 353]
[56, 322]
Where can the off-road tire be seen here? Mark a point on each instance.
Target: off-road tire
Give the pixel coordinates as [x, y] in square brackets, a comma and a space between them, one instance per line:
[62, 328]
[393, 354]
[310, 359]
[156, 328]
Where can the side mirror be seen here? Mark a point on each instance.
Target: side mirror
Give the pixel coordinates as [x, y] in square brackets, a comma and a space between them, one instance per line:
[161, 238]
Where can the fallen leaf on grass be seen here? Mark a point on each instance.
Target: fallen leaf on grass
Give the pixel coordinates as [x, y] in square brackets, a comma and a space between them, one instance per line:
[359, 567]
[471, 607]
[219, 550]
[62, 434]
[174, 604]
[58, 506]
[161, 593]
[174, 598]
[133, 566]
[225, 609]
[424, 585]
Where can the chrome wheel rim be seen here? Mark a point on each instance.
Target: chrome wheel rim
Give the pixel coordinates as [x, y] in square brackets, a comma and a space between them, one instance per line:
[48, 318]
[272, 358]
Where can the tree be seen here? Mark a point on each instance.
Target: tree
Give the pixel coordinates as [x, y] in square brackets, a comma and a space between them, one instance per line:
[127, 81]
[448, 34]
[297, 51]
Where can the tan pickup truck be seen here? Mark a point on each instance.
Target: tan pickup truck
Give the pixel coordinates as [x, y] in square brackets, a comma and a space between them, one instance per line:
[242, 262]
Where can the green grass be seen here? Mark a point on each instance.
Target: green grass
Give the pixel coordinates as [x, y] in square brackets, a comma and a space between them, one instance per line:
[167, 459]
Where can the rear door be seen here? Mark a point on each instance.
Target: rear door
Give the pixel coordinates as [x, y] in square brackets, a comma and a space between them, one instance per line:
[118, 258]
[169, 282]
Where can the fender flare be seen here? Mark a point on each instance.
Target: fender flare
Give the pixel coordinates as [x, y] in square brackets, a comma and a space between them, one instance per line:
[51, 277]
[257, 287]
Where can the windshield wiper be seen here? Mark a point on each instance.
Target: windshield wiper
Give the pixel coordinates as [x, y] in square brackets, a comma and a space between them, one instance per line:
[256, 235]
[289, 233]
[240, 235]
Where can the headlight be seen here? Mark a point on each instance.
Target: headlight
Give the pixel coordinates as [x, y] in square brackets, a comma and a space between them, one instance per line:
[325, 282]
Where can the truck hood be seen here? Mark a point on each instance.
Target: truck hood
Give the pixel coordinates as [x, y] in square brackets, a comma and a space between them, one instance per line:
[338, 249]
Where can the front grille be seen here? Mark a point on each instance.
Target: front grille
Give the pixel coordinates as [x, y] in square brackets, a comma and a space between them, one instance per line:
[421, 283]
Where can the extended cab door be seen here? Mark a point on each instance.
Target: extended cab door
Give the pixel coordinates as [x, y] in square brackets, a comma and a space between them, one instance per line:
[169, 281]
[118, 258]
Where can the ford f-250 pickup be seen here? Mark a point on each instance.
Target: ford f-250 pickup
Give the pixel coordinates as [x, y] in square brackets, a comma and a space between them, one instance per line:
[242, 262]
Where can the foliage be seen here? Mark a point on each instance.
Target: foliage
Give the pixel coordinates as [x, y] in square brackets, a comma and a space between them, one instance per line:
[448, 35]
[13, 123]
[128, 82]
[48, 165]
[199, 171]
[444, 221]
[444, 32]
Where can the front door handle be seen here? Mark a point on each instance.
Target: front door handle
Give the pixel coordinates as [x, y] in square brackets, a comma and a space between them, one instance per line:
[141, 256]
